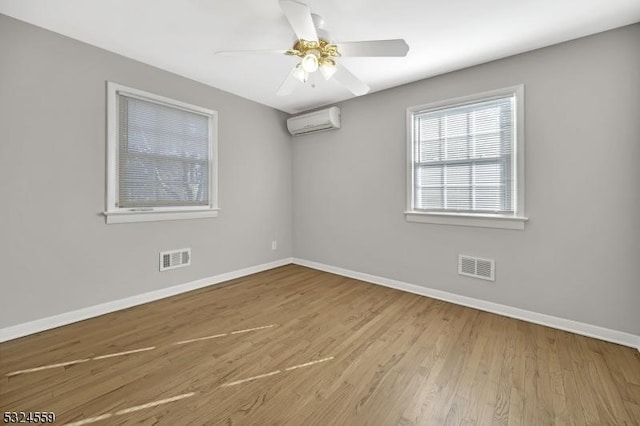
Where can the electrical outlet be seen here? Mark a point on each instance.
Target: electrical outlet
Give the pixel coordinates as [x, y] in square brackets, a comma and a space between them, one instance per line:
[274, 245]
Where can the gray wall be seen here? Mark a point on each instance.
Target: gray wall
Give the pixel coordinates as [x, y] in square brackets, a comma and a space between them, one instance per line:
[56, 252]
[576, 259]
[578, 256]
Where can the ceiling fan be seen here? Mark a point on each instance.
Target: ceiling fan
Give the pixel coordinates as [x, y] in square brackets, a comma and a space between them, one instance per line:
[317, 52]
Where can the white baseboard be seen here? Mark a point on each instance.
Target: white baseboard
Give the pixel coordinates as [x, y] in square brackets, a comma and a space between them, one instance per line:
[584, 329]
[620, 337]
[20, 330]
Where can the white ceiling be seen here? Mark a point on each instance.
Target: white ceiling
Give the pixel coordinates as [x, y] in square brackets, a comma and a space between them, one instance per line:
[181, 36]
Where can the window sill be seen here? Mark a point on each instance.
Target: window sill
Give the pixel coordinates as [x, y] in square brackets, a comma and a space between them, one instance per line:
[146, 216]
[463, 219]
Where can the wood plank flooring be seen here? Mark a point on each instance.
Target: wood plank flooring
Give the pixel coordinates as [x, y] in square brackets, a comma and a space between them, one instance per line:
[384, 358]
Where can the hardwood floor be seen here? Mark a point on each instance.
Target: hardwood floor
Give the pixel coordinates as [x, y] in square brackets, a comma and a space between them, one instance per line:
[384, 357]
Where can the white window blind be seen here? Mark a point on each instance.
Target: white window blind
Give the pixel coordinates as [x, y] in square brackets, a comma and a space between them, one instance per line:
[463, 157]
[163, 155]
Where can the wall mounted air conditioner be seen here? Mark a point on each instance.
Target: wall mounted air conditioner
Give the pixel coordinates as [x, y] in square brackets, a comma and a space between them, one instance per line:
[317, 121]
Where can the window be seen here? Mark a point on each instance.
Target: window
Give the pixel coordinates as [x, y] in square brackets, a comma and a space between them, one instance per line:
[161, 158]
[466, 160]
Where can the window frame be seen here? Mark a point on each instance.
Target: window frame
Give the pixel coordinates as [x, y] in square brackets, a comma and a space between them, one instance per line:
[115, 214]
[467, 218]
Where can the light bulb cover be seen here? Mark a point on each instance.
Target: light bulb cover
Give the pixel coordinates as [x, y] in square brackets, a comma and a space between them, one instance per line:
[328, 70]
[300, 74]
[310, 63]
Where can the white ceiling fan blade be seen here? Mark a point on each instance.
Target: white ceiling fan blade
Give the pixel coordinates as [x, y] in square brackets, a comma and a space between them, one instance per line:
[249, 52]
[299, 17]
[396, 47]
[289, 84]
[350, 81]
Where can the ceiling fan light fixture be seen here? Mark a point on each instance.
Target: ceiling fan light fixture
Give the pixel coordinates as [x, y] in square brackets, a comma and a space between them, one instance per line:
[328, 69]
[300, 74]
[310, 63]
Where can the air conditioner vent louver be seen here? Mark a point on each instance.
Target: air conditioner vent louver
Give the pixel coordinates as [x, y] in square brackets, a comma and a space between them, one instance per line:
[175, 259]
[476, 267]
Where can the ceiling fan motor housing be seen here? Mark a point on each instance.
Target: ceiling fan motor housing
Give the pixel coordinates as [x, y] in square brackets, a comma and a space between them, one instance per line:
[324, 51]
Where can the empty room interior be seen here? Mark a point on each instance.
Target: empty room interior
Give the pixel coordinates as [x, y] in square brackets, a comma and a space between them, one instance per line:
[319, 212]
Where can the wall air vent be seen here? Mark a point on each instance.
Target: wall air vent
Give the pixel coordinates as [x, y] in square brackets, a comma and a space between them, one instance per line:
[175, 259]
[476, 267]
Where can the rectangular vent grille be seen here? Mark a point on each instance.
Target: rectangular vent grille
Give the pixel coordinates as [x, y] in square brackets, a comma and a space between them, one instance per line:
[175, 259]
[476, 267]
